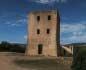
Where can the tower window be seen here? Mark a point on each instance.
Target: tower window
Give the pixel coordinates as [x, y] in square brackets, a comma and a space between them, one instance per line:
[38, 18]
[48, 31]
[38, 31]
[49, 17]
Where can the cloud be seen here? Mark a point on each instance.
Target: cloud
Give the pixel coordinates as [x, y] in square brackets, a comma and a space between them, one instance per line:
[14, 20]
[14, 24]
[43, 1]
[11, 23]
[74, 32]
[77, 33]
[48, 1]
[73, 27]
[19, 22]
[22, 20]
[25, 36]
[75, 38]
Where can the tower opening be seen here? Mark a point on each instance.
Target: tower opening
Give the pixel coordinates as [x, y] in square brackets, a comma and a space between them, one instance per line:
[40, 47]
[48, 31]
[38, 31]
[38, 18]
[49, 17]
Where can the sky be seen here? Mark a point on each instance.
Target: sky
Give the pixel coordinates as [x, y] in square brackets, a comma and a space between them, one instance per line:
[14, 15]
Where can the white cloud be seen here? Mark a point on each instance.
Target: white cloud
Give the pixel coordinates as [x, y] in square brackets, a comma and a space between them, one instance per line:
[25, 36]
[81, 38]
[22, 20]
[73, 27]
[76, 32]
[49, 1]
[13, 24]
[19, 22]
[74, 39]
[42, 1]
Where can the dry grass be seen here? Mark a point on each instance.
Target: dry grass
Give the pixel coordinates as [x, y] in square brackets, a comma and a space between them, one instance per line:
[45, 64]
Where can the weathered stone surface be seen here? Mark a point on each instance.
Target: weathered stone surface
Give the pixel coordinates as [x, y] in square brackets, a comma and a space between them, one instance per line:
[48, 41]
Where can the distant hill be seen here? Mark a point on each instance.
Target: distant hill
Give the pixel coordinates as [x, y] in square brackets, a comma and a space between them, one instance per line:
[76, 44]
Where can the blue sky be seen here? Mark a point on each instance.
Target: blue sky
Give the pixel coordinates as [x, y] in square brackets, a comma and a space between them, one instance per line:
[13, 19]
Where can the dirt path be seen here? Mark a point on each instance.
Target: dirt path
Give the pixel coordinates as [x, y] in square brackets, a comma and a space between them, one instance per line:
[6, 62]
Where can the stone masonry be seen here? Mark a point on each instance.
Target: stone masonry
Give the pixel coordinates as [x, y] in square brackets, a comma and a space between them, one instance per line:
[43, 33]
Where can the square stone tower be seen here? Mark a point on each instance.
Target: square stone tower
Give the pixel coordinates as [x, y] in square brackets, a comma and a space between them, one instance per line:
[43, 33]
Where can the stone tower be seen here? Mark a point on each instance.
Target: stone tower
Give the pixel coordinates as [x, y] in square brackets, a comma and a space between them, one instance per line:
[43, 33]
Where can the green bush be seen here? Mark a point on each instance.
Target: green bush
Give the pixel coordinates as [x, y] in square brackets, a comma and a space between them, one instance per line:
[79, 58]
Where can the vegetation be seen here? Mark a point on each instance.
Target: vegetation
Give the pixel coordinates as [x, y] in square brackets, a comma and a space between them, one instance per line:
[9, 47]
[79, 58]
[42, 64]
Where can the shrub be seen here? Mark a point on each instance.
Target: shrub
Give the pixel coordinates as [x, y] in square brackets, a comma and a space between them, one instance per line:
[9, 47]
[79, 58]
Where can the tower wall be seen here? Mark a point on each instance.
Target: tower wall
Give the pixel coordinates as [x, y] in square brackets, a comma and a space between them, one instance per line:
[48, 41]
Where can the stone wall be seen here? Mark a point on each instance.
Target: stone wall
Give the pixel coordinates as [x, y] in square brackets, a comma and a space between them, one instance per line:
[48, 41]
